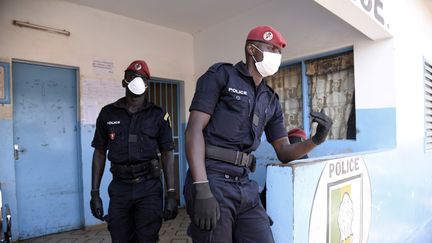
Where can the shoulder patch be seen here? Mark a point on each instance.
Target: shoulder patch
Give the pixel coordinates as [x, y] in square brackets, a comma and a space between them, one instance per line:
[218, 65]
[167, 118]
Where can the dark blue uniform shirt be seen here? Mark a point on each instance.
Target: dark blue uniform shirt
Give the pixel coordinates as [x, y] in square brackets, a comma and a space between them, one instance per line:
[132, 138]
[239, 110]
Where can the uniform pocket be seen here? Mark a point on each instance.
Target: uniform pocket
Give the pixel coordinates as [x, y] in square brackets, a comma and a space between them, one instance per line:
[117, 144]
[237, 103]
[148, 139]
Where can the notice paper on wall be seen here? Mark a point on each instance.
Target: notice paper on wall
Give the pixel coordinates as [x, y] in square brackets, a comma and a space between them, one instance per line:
[101, 67]
[95, 94]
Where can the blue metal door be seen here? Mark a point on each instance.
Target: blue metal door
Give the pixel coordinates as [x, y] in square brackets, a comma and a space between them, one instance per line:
[46, 149]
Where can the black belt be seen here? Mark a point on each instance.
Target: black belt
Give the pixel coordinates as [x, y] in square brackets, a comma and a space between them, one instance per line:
[129, 171]
[134, 180]
[231, 156]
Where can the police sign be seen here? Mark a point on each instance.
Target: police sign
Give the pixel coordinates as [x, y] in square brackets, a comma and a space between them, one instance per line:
[341, 206]
[373, 7]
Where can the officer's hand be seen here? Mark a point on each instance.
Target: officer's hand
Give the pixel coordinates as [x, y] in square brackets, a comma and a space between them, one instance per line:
[96, 205]
[323, 128]
[171, 210]
[206, 208]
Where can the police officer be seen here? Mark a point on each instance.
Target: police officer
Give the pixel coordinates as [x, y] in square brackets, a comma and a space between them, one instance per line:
[231, 108]
[133, 129]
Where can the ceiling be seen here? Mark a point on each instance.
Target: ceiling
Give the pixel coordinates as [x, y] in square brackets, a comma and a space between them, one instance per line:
[190, 16]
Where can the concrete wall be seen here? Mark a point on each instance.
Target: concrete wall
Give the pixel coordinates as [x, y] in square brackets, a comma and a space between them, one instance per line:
[314, 30]
[413, 38]
[95, 35]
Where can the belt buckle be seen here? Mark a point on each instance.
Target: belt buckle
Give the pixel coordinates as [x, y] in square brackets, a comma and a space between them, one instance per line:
[244, 160]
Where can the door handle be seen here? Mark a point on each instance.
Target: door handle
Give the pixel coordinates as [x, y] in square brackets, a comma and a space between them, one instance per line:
[17, 151]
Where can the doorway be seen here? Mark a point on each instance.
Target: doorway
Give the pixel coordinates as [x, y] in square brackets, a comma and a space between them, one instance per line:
[46, 151]
[167, 95]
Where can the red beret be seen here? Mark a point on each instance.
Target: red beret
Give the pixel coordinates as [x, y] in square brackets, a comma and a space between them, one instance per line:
[139, 67]
[297, 132]
[267, 34]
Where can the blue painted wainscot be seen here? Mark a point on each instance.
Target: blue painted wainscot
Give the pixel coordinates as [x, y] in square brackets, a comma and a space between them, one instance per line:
[380, 196]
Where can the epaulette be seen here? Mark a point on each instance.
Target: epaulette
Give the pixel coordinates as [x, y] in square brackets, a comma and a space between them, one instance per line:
[218, 65]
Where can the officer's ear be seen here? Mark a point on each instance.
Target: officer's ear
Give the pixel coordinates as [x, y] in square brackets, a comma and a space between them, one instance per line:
[250, 49]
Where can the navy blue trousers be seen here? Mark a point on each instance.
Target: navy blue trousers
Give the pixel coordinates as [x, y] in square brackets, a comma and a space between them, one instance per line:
[135, 211]
[243, 218]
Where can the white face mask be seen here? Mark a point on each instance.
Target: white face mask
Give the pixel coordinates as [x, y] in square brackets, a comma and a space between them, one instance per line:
[269, 64]
[136, 86]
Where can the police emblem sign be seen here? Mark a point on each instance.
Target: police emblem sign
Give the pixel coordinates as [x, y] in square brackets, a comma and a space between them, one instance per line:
[341, 206]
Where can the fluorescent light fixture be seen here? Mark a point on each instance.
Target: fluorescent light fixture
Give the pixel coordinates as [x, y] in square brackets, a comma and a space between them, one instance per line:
[40, 27]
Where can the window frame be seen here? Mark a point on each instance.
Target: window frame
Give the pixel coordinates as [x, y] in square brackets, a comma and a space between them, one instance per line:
[6, 85]
[305, 87]
[427, 79]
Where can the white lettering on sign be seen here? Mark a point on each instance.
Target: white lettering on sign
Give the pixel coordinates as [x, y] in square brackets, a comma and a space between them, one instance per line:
[373, 5]
[343, 167]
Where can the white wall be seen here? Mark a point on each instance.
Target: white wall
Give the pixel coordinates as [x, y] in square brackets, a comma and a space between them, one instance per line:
[374, 74]
[307, 27]
[413, 38]
[94, 35]
[315, 31]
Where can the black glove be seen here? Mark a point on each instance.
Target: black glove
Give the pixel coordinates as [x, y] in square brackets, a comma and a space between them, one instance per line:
[170, 211]
[206, 208]
[96, 205]
[323, 128]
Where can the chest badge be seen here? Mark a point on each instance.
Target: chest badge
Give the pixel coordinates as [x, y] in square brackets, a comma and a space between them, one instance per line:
[111, 135]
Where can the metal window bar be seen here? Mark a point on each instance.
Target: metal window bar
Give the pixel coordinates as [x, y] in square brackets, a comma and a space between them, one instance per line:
[306, 106]
[165, 93]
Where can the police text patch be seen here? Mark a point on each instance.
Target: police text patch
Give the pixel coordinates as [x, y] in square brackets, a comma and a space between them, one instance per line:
[241, 92]
[113, 122]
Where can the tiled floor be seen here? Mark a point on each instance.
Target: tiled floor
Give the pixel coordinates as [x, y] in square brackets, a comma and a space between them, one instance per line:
[171, 232]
